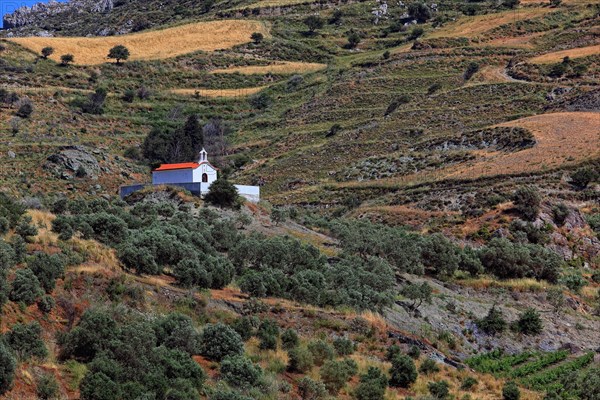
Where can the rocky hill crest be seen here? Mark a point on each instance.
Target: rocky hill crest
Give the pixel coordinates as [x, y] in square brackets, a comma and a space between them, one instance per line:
[37, 13]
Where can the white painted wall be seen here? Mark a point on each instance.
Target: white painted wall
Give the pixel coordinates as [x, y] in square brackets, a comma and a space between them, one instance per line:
[205, 169]
[250, 193]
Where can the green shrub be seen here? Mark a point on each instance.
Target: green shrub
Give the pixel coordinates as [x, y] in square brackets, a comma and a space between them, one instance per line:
[560, 212]
[260, 101]
[413, 352]
[470, 261]
[416, 33]
[219, 341]
[289, 339]
[244, 326]
[25, 340]
[134, 356]
[11, 209]
[584, 385]
[47, 387]
[25, 109]
[403, 372]
[96, 329]
[300, 359]
[529, 323]
[417, 293]
[313, 23]
[108, 229]
[393, 351]
[343, 346]
[118, 53]
[4, 289]
[98, 386]
[493, 323]
[321, 351]
[335, 374]
[26, 287]
[471, 70]
[508, 260]
[372, 385]
[574, 282]
[240, 371]
[310, 389]
[190, 273]
[4, 226]
[428, 366]
[419, 11]
[354, 39]
[268, 327]
[8, 364]
[527, 201]
[219, 394]
[19, 248]
[439, 389]
[47, 268]
[468, 383]
[257, 37]
[129, 97]
[224, 194]
[25, 228]
[583, 176]
[94, 103]
[510, 391]
[267, 342]
[177, 331]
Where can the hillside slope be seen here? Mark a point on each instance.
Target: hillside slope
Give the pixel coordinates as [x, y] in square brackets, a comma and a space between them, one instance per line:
[436, 165]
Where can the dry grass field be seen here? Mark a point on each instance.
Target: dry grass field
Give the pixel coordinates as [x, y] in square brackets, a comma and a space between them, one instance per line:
[473, 26]
[491, 74]
[572, 53]
[282, 68]
[562, 138]
[159, 44]
[521, 42]
[227, 93]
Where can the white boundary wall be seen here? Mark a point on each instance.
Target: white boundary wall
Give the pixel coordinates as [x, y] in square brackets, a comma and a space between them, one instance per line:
[250, 193]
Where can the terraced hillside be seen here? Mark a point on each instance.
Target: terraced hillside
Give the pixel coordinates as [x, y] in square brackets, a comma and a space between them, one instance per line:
[537, 371]
[424, 169]
[364, 118]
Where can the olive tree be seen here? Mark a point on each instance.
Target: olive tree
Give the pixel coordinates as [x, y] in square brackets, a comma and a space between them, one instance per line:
[119, 52]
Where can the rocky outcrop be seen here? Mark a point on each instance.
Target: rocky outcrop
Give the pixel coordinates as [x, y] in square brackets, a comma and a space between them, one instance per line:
[73, 161]
[497, 138]
[37, 13]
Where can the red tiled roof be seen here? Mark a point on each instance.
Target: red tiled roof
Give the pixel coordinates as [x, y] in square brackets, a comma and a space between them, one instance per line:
[187, 165]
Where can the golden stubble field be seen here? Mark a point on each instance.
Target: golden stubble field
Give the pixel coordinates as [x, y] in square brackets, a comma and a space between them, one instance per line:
[557, 56]
[152, 45]
[562, 138]
[473, 26]
[282, 68]
[224, 93]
